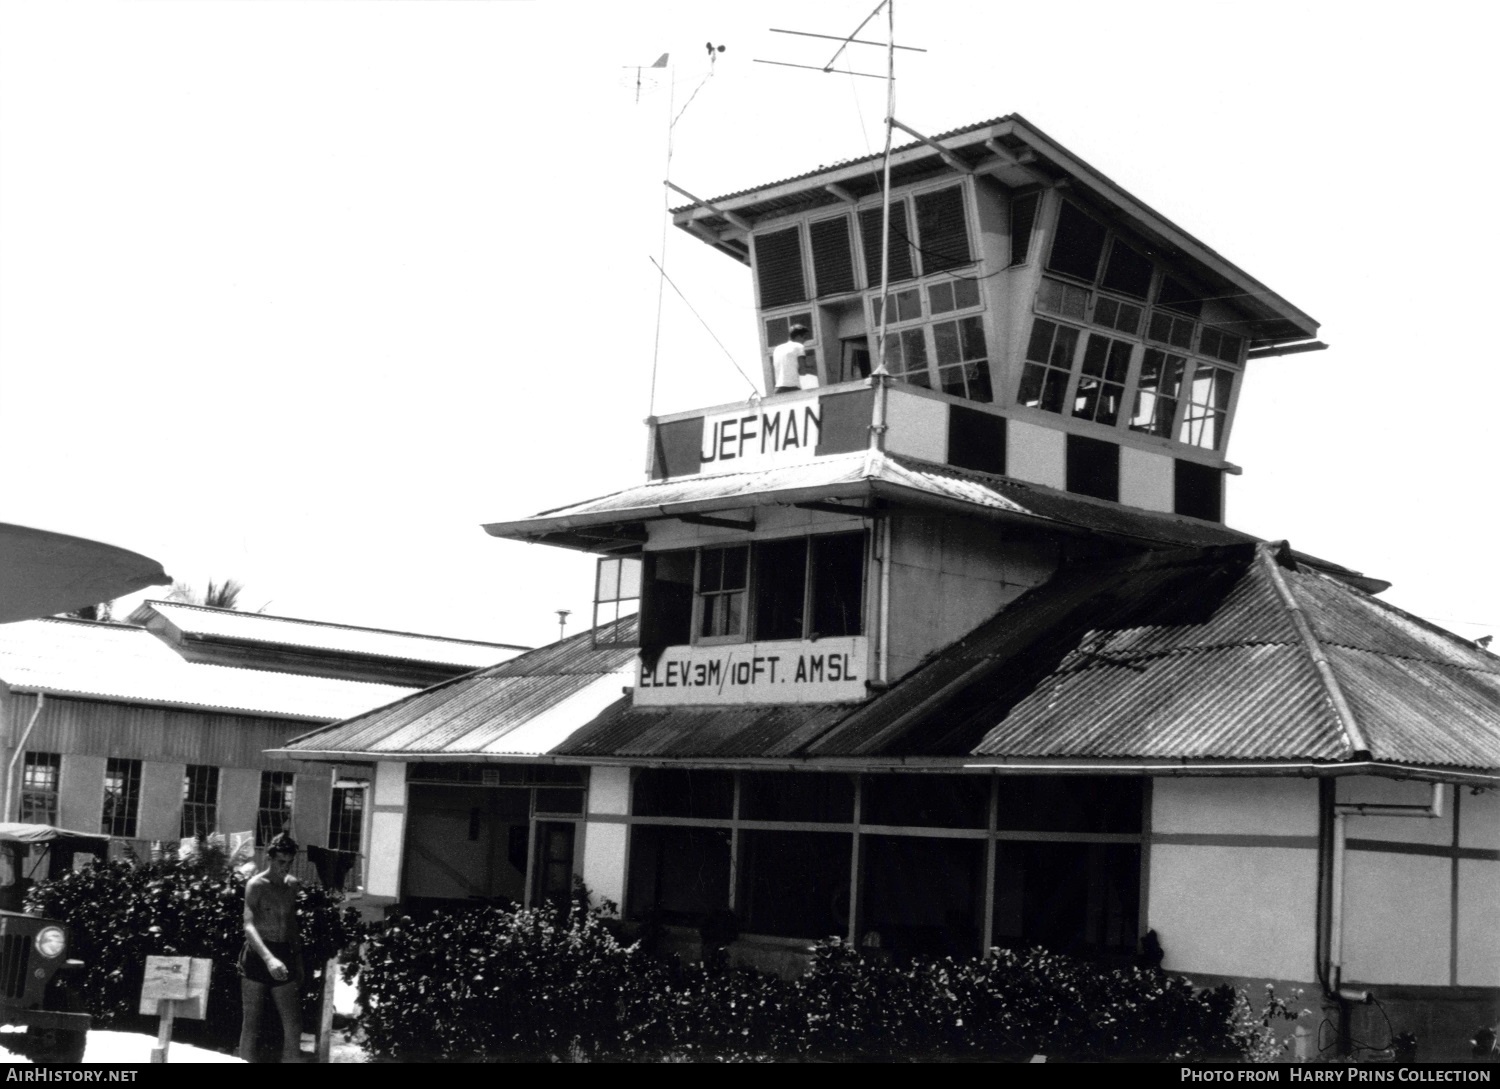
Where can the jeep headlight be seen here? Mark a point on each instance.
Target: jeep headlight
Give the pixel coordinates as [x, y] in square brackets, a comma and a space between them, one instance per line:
[50, 941]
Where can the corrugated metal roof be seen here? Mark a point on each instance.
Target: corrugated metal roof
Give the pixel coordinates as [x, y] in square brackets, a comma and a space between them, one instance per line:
[1190, 656]
[200, 620]
[1181, 656]
[120, 662]
[526, 706]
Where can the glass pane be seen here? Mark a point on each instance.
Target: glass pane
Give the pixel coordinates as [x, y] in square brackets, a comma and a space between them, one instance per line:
[932, 801]
[979, 382]
[795, 884]
[711, 569]
[945, 341]
[736, 563]
[1070, 803]
[679, 876]
[922, 896]
[1079, 244]
[780, 588]
[630, 578]
[607, 581]
[908, 305]
[1040, 348]
[940, 298]
[1127, 272]
[914, 348]
[676, 792]
[838, 569]
[1077, 898]
[796, 796]
[965, 293]
[1063, 347]
[972, 332]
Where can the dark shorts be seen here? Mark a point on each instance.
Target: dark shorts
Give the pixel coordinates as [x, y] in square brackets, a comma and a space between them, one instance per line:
[254, 969]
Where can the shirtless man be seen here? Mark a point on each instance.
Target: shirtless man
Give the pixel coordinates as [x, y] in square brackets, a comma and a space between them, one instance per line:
[272, 957]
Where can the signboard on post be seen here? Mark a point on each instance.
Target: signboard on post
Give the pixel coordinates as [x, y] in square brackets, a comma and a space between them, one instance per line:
[174, 987]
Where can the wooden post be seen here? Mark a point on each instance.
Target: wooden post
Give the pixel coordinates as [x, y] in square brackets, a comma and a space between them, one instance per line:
[167, 1007]
[325, 1011]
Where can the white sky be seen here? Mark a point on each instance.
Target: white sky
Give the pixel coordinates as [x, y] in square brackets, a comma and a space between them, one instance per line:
[302, 293]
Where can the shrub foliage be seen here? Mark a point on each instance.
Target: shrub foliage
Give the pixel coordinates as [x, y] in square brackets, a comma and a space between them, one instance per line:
[119, 912]
[536, 984]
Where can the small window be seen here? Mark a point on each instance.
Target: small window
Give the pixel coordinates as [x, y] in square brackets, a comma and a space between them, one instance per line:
[1180, 297]
[1101, 383]
[833, 259]
[1049, 365]
[1067, 300]
[778, 267]
[1093, 468]
[1022, 220]
[1198, 491]
[952, 295]
[796, 796]
[40, 777]
[1079, 244]
[1157, 392]
[1127, 271]
[781, 589]
[1221, 345]
[1171, 330]
[722, 581]
[274, 814]
[617, 588]
[870, 220]
[905, 306]
[962, 368]
[779, 330]
[1207, 406]
[346, 818]
[1117, 314]
[667, 598]
[942, 230]
[200, 801]
[122, 798]
[838, 582]
[683, 792]
[906, 356]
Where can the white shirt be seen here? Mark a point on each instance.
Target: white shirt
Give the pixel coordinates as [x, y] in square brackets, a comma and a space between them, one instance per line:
[786, 361]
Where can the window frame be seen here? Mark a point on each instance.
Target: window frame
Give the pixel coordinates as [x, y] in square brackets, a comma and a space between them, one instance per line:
[271, 780]
[34, 761]
[754, 574]
[127, 773]
[199, 806]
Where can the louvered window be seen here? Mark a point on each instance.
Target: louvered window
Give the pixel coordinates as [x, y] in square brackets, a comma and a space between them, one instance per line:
[942, 231]
[870, 228]
[778, 266]
[833, 260]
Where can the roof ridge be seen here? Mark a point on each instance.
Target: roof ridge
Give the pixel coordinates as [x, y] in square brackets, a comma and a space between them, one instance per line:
[1269, 556]
[325, 624]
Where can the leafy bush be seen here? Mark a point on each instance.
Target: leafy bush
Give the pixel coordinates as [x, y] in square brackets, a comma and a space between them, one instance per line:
[119, 912]
[559, 984]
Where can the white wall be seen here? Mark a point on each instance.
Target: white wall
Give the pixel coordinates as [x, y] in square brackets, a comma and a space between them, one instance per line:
[387, 830]
[604, 841]
[1233, 876]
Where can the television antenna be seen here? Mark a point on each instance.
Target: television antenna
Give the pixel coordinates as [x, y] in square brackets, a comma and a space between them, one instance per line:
[890, 46]
[660, 62]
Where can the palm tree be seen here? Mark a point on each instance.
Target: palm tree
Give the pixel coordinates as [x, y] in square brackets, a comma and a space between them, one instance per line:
[218, 595]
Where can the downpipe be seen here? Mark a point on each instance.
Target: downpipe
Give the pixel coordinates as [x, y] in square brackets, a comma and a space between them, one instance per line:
[10, 768]
[1332, 864]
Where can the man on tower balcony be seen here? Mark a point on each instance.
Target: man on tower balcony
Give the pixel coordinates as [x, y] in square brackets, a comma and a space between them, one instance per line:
[791, 364]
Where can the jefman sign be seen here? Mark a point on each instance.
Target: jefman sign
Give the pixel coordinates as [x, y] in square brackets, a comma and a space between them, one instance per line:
[759, 435]
[828, 670]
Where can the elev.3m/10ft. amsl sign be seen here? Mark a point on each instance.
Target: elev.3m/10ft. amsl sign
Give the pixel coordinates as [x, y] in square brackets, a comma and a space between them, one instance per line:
[824, 671]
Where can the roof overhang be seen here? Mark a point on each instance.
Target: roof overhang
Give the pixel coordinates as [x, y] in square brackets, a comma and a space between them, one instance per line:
[1016, 153]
